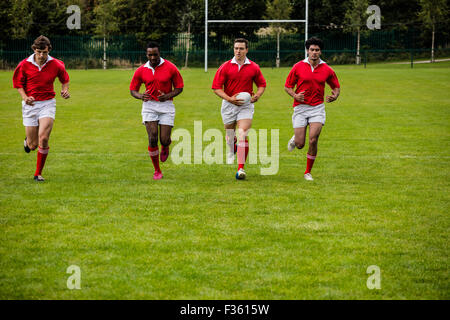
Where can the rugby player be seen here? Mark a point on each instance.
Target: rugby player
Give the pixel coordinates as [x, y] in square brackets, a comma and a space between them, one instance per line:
[163, 82]
[33, 78]
[235, 76]
[308, 77]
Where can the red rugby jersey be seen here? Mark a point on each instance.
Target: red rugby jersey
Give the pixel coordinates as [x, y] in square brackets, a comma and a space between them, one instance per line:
[233, 79]
[38, 81]
[164, 77]
[311, 81]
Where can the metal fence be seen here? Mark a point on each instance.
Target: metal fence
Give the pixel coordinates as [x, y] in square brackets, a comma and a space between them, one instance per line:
[126, 51]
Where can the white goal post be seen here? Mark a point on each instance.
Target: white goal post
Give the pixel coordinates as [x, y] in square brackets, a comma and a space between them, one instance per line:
[248, 21]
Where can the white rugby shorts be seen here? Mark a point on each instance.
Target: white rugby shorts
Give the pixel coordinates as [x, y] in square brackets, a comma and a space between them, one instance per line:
[163, 112]
[304, 114]
[232, 113]
[40, 109]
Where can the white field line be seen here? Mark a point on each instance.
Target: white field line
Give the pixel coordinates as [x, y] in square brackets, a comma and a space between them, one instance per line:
[421, 61]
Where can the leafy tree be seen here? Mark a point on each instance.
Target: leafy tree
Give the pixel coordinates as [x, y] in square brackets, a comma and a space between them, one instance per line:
[20, 17]
[431, 12]
[106, 17]
[186, 17]
[355, 18]
[106, 20]
[278, 10]
[398, 12]
[7, 26]
[321, 13]
[236, 10]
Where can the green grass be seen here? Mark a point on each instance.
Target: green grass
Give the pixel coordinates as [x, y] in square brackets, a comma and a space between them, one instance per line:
[380, 197]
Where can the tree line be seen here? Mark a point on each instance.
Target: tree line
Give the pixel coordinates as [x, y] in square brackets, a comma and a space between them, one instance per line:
[154, 19]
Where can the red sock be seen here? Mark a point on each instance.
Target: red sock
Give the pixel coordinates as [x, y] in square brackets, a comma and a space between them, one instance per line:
[242, 153]
[309, 163]
[165, 149]
[41, 157]
[154, 155]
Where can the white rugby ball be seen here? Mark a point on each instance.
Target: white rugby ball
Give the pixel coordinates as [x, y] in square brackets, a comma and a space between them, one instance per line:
[245, 96]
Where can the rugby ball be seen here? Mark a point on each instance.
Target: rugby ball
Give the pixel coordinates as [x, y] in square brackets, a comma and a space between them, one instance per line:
[244, 96]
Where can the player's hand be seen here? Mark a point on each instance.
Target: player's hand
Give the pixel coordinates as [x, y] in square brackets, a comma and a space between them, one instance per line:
[235, 101]
[331, 98]
[29, 100]
[65, 94]
[254, 98]
[300, 97]
[145, 96]
[162, 96]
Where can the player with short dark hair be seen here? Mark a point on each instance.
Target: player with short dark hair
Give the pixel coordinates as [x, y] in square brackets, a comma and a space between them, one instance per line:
[309, 77]
[314, 41]
[235, 76]
[163, 82]
[33, 78]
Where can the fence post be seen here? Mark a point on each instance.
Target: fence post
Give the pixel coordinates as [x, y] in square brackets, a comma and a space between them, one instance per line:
[412, 58]
[365, 58]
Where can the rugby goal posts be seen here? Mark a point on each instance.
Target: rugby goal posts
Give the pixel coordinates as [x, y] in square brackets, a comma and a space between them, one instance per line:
[207, 21]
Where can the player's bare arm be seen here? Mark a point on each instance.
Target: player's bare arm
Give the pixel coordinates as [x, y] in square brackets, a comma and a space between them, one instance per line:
[167, 96]
[258, 94]
[65, 90]
[140, 96]
[334, 95]
[28, 99]
[300, 97]
[232, 99]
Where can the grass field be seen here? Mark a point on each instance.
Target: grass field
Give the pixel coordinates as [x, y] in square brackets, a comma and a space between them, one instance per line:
[380, 197]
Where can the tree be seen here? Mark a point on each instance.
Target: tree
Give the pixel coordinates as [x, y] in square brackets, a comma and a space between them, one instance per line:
[355, 18]
[432, 11]
[235, 10]
[186, 18]
[36, 17]
[321, 13]
[278, 10]
[106, 20]
[397, 11]
[19, 15]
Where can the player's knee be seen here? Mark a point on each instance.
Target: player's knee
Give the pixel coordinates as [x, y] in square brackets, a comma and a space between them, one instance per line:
[43, 141]
[153, 140]
[299, 144]
[313, 140]
[166, 141]
[243, 133]
[153, 133]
